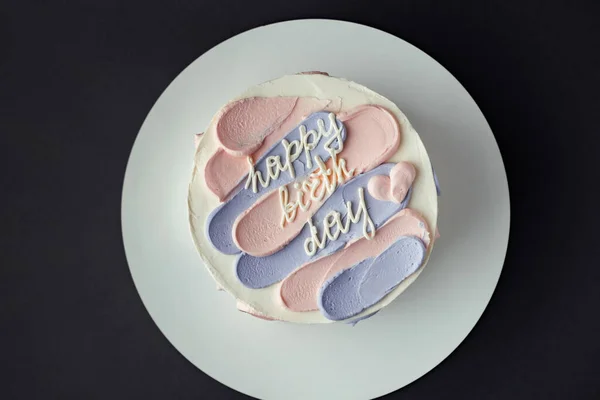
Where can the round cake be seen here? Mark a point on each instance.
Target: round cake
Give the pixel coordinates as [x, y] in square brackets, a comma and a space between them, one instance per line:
[312, 200]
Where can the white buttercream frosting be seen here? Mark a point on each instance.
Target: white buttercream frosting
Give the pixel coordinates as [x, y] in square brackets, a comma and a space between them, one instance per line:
[202, 201]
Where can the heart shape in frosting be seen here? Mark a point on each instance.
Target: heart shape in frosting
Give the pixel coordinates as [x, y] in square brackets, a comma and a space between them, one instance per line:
[395, 186]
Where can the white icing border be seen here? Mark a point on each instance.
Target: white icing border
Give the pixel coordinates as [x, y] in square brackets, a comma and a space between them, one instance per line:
[202, 201]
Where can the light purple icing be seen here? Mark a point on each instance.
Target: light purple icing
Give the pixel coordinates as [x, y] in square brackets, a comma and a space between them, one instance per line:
[437, 184]
[366, 283]
[259, 272]
[357, 320]
[219, 225]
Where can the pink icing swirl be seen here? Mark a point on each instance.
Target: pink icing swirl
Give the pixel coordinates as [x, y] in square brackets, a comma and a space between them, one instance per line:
[223, 170]
[395, 186]
[244, 124]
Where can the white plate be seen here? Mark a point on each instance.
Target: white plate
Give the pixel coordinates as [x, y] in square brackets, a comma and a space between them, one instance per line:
[272, 360]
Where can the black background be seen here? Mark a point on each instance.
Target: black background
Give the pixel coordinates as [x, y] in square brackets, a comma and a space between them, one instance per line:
[78, 78]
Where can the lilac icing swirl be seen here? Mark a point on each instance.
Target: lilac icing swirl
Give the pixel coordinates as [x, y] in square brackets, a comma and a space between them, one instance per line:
[366, 283]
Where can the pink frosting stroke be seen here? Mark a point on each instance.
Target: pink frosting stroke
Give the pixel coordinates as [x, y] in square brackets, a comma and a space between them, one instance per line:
[299, 291]
[250, 310]
[244, 124]
[395, 186]
[373, 135]
[223, 171]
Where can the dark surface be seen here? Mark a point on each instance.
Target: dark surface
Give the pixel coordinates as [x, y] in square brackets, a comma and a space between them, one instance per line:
[77, 81]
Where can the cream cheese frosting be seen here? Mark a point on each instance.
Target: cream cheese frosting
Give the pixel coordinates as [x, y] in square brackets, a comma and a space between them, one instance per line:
[283, 103]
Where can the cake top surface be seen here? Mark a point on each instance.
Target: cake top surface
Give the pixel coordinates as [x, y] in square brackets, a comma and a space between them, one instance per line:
[382, 184]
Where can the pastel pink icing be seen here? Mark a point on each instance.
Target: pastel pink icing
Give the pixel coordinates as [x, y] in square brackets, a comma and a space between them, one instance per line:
[223, 170]
[250, 310]
[197, 138]
[299, 291]
[259, 316]
[372, 136]
[244, 124]
[395, 186]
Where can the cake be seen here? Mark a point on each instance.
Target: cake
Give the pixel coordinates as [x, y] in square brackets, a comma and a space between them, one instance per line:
[312, 200]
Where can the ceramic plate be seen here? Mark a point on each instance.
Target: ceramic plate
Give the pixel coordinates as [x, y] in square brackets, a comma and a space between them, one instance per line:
[273, 360]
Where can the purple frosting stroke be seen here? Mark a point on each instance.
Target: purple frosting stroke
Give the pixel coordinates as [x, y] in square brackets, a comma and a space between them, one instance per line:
[260, 272]
[219, 226]
[437, 183]
[366, 283]
[357, 320]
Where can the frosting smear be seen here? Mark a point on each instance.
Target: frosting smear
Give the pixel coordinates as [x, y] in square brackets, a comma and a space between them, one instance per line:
[358, 288]
[245, 123]
[223, 171]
